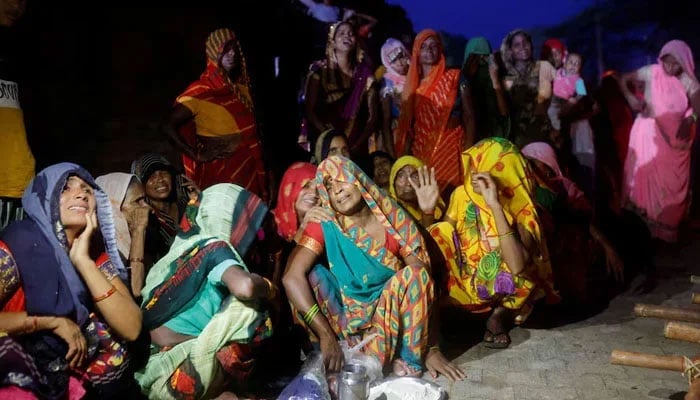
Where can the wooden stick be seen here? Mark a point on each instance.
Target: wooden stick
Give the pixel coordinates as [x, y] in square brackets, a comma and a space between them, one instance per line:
[694, 279]
[678, 331]
[664, 312]
[643, 360]
[695, 298]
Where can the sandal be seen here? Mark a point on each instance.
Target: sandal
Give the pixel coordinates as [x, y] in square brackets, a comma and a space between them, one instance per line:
[493, 343]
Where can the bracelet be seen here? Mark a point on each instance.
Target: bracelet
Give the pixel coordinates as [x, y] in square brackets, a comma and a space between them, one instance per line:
[271, 289]
[136, 259]
[311, 314]
[107, 294]
[694, 116]
[505, 235]
[429, 213]
[435, 347]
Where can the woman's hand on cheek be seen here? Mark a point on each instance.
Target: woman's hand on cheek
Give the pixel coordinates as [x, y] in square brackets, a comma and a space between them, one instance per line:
[80, 249]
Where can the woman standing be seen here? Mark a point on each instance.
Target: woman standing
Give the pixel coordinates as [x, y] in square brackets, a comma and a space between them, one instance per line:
[213, 121]
[430, 126]
[528, 85]
[341, 92]
[657, 167]
[395, 58]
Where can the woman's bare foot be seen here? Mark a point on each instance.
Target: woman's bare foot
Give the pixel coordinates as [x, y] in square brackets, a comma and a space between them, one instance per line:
[401, 368]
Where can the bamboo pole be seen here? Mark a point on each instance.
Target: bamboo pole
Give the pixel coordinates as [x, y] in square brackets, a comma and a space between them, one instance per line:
[695, 298]
[664, 312]
[644, 360]
[678, 331]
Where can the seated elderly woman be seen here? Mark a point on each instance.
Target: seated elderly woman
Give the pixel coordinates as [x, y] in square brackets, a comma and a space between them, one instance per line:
[130, 213]
[66, 314]
[496, 256]
[414, 186]
[375, 254]
[204, 309]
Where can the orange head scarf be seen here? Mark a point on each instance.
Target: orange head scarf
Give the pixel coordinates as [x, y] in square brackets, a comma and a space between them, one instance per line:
[294, 179]
[414, 84]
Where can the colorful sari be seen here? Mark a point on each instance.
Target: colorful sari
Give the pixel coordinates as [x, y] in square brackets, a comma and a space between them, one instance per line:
[657, 168]
[293, 180]
[427, 106]
[415, 212]
[39, 278]
[342, 104]
[221, 108]
[478, 278]
[367, 288]
[184, 291]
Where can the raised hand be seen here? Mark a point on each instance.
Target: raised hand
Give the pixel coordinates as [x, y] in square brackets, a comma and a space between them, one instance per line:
[137, 217]
[80, 249]
[486, 186]
[190, 187]
[427, 190]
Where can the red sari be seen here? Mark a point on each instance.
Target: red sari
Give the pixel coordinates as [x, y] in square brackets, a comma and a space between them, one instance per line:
[222, 107]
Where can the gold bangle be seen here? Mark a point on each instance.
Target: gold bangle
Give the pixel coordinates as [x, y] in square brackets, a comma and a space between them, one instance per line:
[107, 294]
[271, 289]
[505, 235]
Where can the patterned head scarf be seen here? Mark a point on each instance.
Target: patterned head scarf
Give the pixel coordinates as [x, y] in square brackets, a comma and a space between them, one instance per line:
[506, 53]
[516, 188]
[390, 50]
[294, 179]
[216, 42]
[115, 185]
[398, 166]
[682, 53]
[384, 208]
[413, 81]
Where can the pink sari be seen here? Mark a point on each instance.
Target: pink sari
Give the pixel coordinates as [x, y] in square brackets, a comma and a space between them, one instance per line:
[657, 167]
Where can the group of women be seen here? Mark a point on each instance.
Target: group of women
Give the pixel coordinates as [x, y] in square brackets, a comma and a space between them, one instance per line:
[165, 284]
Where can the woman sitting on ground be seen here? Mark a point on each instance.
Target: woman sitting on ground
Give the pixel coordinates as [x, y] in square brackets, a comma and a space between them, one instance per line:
[130, 212]
[496, 255]
[167, 193]
[66, 312]
[375, 254]
[414, 186]
[205, 311]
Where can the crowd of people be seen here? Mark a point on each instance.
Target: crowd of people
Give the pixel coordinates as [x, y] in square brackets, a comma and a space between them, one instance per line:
[490, 189]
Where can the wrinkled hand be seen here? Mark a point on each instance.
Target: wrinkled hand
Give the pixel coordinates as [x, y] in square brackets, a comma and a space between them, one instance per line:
[333, 356]
[80, 249]
[614, 265]
[437, 364]
[77, 345]
[427, 190]
[137, 217]
[493, 69]
[488, 188]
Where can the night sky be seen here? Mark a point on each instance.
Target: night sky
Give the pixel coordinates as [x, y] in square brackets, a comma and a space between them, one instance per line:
[491, 18]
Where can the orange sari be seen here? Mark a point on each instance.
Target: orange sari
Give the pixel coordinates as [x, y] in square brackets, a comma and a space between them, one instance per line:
[426, 109]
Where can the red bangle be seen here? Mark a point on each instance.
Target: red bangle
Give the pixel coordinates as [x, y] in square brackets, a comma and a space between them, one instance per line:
[107, 294]
[429, 213]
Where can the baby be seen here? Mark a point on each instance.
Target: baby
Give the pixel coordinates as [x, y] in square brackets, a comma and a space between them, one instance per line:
[568, 87]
